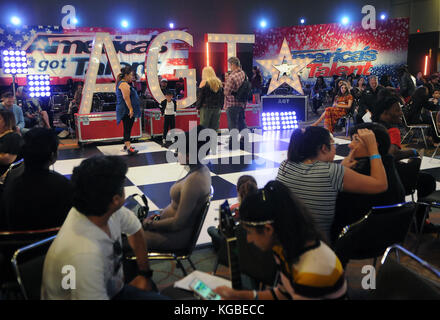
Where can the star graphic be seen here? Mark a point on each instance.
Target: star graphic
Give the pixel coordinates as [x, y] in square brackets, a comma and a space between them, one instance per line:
[9, 37]
[33, 32]
[17, 31]
[18, 44]
[284, 69]
[2, 43]
[25, 38]
[1, 31]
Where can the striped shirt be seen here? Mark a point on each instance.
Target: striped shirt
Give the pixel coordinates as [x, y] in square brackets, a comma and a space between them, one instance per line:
[318, 274]
[317, 185]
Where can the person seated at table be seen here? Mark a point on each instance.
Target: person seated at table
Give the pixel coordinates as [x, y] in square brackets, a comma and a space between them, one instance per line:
[350, 207]
[342, 104]
[175, 226]
[39, 198]
[10, 141]
[276, 220]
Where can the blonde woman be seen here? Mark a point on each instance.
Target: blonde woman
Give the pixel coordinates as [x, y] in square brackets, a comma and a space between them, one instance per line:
[210, 99]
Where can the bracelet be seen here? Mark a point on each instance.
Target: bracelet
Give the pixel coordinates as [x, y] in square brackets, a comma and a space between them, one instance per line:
[255, 293]
[375, 156]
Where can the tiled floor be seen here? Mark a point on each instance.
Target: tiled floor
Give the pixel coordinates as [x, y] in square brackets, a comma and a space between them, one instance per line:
[153, 170]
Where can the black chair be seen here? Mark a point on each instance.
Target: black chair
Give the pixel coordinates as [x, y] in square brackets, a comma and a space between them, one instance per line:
[10, 241]
[414, 127]
[436, 130]
[258, 266]
[397, 282]
[408, 173]
[183, 254]
[28, 265]
[370, 236]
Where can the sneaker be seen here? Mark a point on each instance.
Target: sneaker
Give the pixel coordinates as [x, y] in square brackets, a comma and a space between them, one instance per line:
[132, 151]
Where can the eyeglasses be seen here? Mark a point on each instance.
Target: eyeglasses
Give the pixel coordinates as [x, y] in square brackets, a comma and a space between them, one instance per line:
[117, 253]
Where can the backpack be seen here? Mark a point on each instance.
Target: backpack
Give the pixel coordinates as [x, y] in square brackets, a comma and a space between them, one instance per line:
[243, 93]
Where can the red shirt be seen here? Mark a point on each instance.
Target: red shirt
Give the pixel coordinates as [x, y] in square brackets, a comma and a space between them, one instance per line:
[394, 134]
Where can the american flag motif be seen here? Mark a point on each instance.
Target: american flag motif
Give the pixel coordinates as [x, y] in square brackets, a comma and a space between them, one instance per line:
[64, 54]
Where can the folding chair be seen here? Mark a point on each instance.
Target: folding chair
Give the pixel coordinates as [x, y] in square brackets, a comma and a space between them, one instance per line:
[28, 265]
[415, 127]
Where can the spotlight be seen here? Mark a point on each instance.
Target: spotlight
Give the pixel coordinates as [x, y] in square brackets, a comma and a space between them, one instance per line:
[38, 85]
[383, 16]
[263, 23]
[15, 20]
[302, 20]
[345, 20]
[13, 62]
[124, 24]
[75, 21]
[171, 25]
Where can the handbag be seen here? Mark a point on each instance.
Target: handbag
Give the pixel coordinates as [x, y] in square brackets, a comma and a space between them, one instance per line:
[141, 211]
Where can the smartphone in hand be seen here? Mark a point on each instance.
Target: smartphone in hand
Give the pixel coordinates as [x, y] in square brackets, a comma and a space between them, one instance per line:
[203, 290]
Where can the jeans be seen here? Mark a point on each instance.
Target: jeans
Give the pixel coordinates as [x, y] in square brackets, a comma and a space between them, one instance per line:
[210, 117]
[132, 293]
[127, 122]
[236, 120]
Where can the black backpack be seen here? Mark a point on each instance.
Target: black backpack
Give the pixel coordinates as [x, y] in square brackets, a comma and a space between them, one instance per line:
[243, 93]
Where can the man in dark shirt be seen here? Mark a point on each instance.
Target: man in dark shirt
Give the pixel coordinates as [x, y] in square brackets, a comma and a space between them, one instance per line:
[368, 99]
[39, 198]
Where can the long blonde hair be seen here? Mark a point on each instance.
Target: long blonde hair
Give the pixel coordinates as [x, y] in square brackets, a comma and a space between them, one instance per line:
[208, 75]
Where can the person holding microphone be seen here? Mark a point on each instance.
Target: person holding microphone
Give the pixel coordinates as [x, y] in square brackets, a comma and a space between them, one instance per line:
[127, 105]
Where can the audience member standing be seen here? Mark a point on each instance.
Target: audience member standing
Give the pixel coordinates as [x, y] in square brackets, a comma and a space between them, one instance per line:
[235, 109]
[407, 83]
[257, 84]
[168, 109]
[39, 198]
[210, 99]
[127, 106]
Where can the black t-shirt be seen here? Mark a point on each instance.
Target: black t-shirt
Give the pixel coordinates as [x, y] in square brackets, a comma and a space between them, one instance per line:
[10, 143]
[350, 207]
[35, 200]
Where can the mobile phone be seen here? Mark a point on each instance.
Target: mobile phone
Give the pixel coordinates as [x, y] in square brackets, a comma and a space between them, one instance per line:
[203, 290]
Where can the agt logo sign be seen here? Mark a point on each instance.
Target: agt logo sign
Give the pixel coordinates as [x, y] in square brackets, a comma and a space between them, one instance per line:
[328, 64]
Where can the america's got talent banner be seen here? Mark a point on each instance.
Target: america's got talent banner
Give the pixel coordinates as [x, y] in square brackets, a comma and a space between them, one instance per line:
[336, 49]
[64, 54]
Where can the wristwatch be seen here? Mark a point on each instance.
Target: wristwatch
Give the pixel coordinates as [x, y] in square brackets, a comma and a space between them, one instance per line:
[147, 274]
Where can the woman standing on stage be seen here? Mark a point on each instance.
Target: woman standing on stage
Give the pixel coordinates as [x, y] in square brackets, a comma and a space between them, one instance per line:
[127, 105]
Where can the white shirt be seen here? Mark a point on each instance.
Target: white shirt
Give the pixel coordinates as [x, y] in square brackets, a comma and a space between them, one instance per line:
[89, 250]
[169, 109]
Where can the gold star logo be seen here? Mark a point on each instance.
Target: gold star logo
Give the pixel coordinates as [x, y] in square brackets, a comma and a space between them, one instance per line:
[284, 69]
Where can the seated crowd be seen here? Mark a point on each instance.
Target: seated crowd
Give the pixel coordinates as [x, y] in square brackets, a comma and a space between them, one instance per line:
[296, 218]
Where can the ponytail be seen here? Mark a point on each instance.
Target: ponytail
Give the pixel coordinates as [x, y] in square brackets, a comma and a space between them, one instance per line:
[290, 218]
[124, 71]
